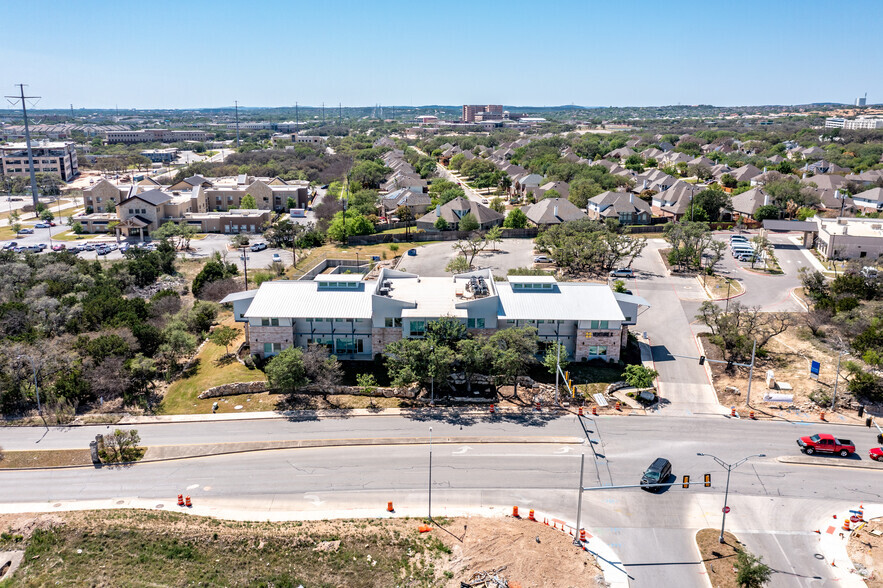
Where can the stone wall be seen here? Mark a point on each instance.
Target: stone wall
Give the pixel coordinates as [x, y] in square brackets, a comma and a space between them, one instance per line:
[612, 339]
[257, 387]
[381, 337]
[234, 389]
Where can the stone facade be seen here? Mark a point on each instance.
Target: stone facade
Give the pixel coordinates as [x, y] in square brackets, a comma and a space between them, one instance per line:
[381, 337]
[260, 335]
[611, 339]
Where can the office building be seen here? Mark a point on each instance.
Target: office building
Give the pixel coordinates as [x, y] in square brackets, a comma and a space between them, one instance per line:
[58, 158]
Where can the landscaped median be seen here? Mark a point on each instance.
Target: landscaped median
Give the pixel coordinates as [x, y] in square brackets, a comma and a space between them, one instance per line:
[729, 564]
[721, 287]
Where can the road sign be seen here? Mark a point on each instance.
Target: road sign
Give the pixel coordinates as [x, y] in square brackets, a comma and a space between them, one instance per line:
[814, 367]
[726, 509]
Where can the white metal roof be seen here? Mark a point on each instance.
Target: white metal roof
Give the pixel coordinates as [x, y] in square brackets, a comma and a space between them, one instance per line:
[302, 299]
[247, 294]
[568, 301]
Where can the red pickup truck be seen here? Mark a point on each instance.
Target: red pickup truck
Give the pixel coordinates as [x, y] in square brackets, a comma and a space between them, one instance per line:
[823, 443]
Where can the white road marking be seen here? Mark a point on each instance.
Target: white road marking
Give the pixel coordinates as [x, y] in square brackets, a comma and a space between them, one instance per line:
[461, 451]
[314, 499]
[192, 486]
[562, 450]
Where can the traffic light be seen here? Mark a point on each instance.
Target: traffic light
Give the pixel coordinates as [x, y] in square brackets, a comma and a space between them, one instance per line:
[708, 480]
[686, 481]
[701, 360]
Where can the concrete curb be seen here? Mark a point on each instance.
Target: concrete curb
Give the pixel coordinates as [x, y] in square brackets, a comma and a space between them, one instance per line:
[797, 299]
[829, 462]
[167, 452]
[713, 299]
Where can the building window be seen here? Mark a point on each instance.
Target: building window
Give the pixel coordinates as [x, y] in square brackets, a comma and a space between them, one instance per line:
[274, 322]
[265, 322]
[598, 325]
[476, 323]
[350, 346]
[418, 328]
[272, 348]
[599, 350]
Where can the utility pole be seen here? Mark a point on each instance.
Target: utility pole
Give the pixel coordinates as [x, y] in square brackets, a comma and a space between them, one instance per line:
[72, 111]
[296, 119]
[237, 140]
[244, 258]
[339, 113]
[430, 474]
[750, 374]
[557, 371]
[579, 504]
[836, 380]
[323, 113]
[24, 111]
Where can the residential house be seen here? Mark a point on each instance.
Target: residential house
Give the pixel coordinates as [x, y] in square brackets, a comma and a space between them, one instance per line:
[869, 200]
[625, 207]
[456, 209]
[552, 211]
[747, 203]
[418, 202]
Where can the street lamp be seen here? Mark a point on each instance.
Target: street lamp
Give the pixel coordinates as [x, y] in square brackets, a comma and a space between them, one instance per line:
[432, 375]
[729, 467]
[430, 474]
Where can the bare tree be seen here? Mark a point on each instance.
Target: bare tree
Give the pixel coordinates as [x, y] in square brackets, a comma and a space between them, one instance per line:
[734, 331]
[469, 248]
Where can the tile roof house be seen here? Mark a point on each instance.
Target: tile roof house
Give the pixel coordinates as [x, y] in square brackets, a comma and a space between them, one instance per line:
[675, 201]
[456, 209]
[622, 153]
[552, 211]
[563, 188]
[625, 207]
[745, 173]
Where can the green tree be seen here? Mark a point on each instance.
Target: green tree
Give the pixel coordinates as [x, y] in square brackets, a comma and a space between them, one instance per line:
[639, 376]
[551, 194]
[516, 219]
[286, 372]
[514, 351]
[222, 336]
[767, 211]
[494, 235]
[368, 174]
[728, 181]
[248, 202]
[47, 216]
[356, 224]
[468, 222]
[711, 202]
[458, 265]
[446, 331]
[551, 358]
[497, 205]
[751, 571]
[214, 269]
[441, 224]
[619, 286]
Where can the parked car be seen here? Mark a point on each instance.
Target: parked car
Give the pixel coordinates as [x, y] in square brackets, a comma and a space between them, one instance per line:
[258, 246]
[542, 259]
[59, 247]
[26, 232]
[124, 247]
[10, 245]
[876, 453]
[623, 272]
[41, 226]
[739, 238]
[113, 246]
[824, 443]
[277, 258]
[41, 246]
[657, 473]
[102, 250]
[51, 223]
[88, 247]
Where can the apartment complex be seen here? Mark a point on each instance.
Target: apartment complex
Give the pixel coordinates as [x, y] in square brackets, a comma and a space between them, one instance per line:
[49, 157]
[480, 112]
[358, 318]
[155, 136]
[211, 206]
[852, 124]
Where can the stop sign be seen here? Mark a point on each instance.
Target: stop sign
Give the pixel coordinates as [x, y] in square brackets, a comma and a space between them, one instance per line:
[726, 509]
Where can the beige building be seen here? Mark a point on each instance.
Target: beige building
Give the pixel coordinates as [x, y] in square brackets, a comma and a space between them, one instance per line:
[58, 158]
[849, 238]
[155, 136]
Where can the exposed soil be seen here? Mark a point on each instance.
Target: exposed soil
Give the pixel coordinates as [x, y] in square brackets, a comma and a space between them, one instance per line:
[866, 552]
[115, 548]
[719, 558]
[788, 356]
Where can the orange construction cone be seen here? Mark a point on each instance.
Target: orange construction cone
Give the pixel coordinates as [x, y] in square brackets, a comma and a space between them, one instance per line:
[492, 409]
[582, 534]
[732, 411]
[530, 516]
[180, 500]
[187, 501]
[538, 406]
[515, 512]
[424, 529]
[822, 415]
[846, 524]
[389, 507]
[594, 411]
[618, 405]
[580, 411]
[751, 415]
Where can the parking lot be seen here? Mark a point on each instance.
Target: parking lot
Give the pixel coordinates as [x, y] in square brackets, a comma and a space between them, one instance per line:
[432, 259]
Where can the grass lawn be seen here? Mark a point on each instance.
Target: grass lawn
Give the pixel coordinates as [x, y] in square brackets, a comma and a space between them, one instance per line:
[718, 286]
[148, 548]
[337, 251]
[181, 397]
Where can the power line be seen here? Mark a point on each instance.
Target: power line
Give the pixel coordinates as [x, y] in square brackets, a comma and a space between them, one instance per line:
[24, 109]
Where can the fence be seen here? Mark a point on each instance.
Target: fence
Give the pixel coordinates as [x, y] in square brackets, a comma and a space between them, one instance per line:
[434, 236]
[338, 264]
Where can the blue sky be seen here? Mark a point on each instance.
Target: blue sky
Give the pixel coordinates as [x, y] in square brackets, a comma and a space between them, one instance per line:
[200, 53]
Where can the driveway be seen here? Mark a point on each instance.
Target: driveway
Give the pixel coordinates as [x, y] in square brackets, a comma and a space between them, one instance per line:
[432, 259]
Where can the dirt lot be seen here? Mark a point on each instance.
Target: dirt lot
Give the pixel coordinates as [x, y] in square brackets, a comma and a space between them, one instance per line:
[866, 552]
[789, 356]
[125, 548]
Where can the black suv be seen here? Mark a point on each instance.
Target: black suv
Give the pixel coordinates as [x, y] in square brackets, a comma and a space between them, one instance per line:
[657, 473]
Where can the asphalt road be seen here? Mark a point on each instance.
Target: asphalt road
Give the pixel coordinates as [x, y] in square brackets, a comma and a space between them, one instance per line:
[775, 506]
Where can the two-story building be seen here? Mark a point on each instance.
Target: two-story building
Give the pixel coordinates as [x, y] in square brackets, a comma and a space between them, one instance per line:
[357, 318]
